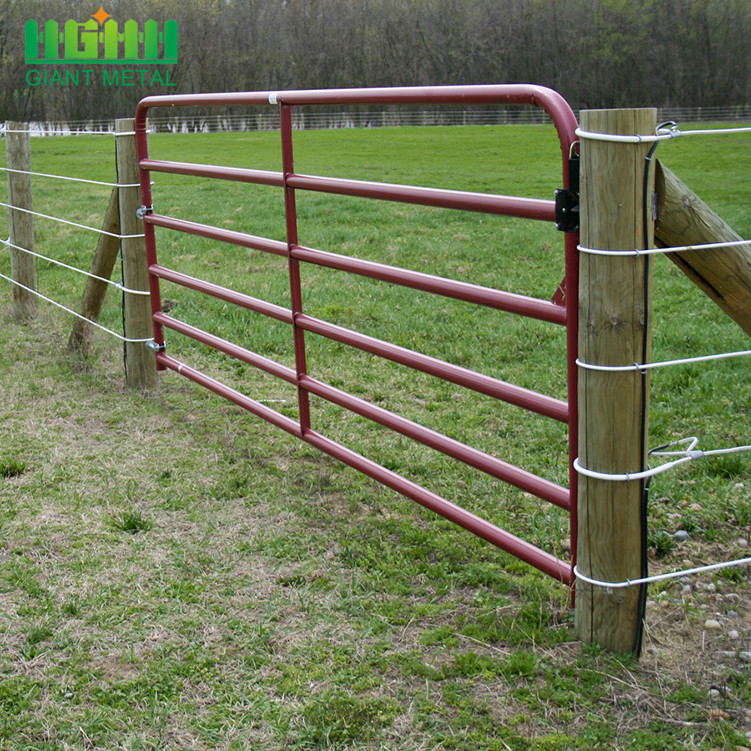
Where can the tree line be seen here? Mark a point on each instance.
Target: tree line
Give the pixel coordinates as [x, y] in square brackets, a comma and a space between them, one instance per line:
[596, 53]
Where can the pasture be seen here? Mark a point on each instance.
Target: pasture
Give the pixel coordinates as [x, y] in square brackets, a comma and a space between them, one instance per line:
[176, 574]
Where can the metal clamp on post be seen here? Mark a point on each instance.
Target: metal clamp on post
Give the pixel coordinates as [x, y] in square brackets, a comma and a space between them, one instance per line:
[141, 212]
[567, 199]
[154, 346]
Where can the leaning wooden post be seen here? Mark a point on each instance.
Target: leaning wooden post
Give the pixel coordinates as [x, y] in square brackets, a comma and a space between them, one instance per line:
[140, 364]
[105, 257]
[23, 266]
[614, 329]
[722, 273]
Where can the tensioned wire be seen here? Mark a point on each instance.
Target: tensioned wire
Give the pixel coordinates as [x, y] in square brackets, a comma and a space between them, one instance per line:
[691, 452]
[663, 363]
[73, 224]
[100, 231]
[662, 134]
[77, 132]
[117, 285]
[72, 179]
[660, 577]
[73, 312]
[668, 249]
[688, 455]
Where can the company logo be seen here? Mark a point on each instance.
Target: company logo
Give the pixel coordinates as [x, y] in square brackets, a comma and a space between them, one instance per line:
[100, 41]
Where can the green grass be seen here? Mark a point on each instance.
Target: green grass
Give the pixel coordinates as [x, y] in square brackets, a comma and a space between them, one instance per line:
[176, 574]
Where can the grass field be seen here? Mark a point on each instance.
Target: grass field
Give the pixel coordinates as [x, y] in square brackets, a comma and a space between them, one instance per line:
[176, 574]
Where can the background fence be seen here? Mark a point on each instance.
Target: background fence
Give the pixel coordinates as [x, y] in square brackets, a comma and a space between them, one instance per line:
[120, 234]
[255, 119]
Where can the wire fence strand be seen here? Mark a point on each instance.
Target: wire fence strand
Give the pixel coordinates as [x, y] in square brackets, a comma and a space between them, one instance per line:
[98, 230]
[661, 251]
[660, 577]
[117, 285]
[72, 179]
[662, 134]
[74, 313]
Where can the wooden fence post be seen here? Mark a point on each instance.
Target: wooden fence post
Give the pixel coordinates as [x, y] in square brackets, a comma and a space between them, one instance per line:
[614, 329]
[104, 262]
[23, 265]
[140, 364]
[724, 273]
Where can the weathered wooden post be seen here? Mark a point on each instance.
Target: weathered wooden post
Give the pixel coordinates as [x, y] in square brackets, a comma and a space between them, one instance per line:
[104, 262]
[614, 329]
[23, 266]
[723, 273]
[140, 364]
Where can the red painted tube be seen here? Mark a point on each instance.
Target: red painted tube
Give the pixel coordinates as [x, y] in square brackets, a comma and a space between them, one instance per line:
[507, 392]
[236, 174]
[525, 208]
[517, 94]
[510, 302]
[233, 350]
[258, 409]
[216, 233]
[503, 94]
[293, 265]
[223, 293]
[142, 150]
[527, 552]
[538, 486]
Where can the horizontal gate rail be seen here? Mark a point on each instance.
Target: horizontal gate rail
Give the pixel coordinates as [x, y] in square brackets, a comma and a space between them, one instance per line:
[473, 457]
[510, 302]
[558, 313]
[541, 560]
[523, 208]
[470, 379]
[236, 174]
[503, 94]
[233, 395]
[223, 293]
[519, 396]
[217, 233]
[233, 350]
[491, 465]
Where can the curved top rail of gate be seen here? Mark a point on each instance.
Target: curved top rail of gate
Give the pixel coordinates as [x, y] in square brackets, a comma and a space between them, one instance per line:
[546, 99]
[562, 310]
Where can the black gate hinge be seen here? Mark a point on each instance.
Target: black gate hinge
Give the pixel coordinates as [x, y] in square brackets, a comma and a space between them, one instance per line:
[567, 199]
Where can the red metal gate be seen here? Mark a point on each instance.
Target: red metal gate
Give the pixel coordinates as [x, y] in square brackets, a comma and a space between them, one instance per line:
[562, 312]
